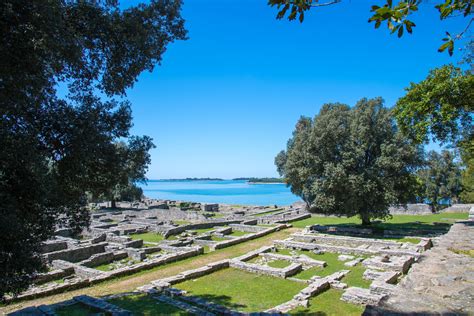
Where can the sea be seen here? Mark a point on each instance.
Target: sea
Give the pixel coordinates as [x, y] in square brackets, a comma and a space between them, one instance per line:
[234, 192]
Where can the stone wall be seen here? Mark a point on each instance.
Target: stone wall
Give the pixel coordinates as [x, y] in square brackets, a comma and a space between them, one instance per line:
[76, 254]
[410, 209]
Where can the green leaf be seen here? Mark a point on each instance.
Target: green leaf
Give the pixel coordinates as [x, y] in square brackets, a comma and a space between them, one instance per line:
[400, 31]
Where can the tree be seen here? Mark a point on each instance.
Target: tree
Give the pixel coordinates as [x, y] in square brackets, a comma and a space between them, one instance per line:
[56, 148]
[467, 174]
[350, 161]
[395, 15]
[440, 178]
[127, 166]
[442, 106]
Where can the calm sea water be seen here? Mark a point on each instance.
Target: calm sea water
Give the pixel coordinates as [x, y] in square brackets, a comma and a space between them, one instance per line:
[227, 191]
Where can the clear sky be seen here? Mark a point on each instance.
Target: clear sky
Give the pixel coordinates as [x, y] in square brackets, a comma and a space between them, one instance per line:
[224, 102]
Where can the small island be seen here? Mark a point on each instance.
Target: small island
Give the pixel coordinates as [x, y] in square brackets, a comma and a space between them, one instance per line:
[262, 180]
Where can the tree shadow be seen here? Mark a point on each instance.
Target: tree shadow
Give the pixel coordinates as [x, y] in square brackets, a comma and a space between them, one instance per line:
[217, 302]
[391, 230]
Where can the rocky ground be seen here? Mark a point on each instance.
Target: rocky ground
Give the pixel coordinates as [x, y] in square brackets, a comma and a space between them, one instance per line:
[442, 282]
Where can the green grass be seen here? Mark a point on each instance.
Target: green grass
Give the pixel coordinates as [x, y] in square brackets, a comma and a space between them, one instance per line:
[329, 303]
[397, 222]
[181, 222]
[354, 278]
[243, 291]
[409, 220]
[148, 237]
[144, 305]
[279, 264]
[215, 238]
[203, 230]
[238, 233]
[469, 252]
[77, 309]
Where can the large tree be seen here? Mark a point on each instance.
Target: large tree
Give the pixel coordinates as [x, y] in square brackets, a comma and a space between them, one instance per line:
[397, 15]
[441, 108]
[350, 161]
[440, 178]
[58, 146]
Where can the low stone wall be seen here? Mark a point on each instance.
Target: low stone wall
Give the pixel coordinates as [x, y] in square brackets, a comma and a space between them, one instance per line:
[410, 209]
[76, 254]
[53, 245]
[292, 269]
[304, 260]
[238, 240]
[179, 229]
[458, 208]
[53, 275]
[247, 228]
[98, 259]
[343, 250]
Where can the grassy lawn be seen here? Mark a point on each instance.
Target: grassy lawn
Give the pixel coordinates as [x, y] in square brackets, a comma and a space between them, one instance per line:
[238, 233]
[215, 238]
[144, 305]
[243, 291]
[439, 223]
[203, 230]
[181, 222]
[148, 237]
[77, 309]
[409, 221]
[329, 303]
[354, 278]
[279, 264]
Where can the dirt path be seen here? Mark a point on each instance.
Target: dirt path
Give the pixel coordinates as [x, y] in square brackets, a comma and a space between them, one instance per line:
[130, 283]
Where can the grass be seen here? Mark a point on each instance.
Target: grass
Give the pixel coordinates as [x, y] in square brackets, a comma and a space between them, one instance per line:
[438, 223]
[280, 264]
[466, 252]
[203, 230]
[243, 291]
[148, 237]
[215, 238]
[181, 222]
[142, 304]
[77, 309]
[328, 303]
[354, 278]
[238, 233]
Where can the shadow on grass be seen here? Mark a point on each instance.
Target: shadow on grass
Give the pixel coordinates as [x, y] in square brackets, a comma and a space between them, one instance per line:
[395, 230]
[223, 300]
[142, 304]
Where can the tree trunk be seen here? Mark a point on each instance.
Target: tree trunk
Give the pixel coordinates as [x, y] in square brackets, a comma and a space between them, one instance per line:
[113, 204]
[364, 216]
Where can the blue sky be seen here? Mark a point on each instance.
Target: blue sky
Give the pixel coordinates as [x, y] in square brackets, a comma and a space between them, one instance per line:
[224, 102]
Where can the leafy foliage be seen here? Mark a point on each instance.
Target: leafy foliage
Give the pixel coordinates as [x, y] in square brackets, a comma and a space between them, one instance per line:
[350, 161]
[467, 176]
[55, 149]
[441, 105]
[440, 178]
[396, 15]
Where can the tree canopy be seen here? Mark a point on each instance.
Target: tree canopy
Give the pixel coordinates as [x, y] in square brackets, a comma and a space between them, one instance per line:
[56, 148]
[441, 106]
[350, 161]
[396, 15]
[440, 178]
